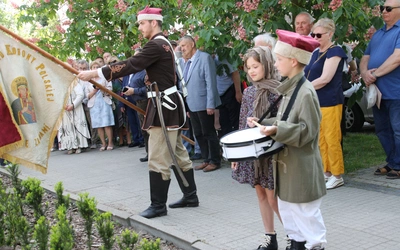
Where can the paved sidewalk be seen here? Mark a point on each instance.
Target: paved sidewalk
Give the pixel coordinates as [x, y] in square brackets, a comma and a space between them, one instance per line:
[360, 215]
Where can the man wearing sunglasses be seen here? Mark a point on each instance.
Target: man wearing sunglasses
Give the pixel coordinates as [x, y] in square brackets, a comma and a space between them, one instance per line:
[380, 66]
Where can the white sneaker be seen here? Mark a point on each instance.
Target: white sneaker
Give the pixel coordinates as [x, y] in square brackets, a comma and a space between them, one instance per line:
[317, 248]
[327, 177]
[334, 182]
[288, 242]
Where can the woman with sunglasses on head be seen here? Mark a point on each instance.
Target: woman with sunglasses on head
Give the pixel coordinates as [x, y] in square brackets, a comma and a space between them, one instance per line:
[325, 73]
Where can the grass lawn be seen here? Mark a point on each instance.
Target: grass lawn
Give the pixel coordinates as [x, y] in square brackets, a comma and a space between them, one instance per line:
[362, 150]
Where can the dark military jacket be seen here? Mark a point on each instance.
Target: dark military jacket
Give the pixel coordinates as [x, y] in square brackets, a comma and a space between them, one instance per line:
[157, 58]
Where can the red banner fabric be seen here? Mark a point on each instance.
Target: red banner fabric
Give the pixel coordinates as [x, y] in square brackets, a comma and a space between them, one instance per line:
[9, 132]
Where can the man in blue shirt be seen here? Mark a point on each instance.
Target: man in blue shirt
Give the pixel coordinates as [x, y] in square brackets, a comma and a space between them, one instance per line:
[380, 66]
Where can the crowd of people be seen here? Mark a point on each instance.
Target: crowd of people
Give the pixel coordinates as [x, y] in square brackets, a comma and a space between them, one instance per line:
[298, 79]
[93, 119]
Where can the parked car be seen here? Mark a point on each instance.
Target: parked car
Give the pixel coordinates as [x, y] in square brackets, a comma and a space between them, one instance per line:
[358, 113]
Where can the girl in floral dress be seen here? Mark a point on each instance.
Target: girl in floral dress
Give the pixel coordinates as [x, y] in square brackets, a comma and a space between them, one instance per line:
[259, 66]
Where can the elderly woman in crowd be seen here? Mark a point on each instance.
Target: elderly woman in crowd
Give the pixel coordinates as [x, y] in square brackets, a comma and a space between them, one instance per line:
[325, 73]
[73, 132]
[101, 112]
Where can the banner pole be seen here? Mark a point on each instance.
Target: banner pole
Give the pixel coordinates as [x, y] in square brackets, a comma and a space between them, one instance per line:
[69, 68]
[75, 72]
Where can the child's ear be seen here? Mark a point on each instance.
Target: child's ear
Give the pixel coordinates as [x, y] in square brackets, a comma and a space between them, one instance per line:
[294, 62]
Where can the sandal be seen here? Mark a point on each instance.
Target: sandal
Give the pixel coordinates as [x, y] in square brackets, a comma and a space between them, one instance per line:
[110, 148]
[102, 148]
[394, 174]
[383, 171]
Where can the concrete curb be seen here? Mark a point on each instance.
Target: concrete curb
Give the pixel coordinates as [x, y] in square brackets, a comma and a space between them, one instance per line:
[229, 216]
[179, 239]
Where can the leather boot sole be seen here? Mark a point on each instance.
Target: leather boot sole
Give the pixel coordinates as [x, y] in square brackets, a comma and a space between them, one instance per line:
[183, 205]
[201, 166]
[150, 216]
[152, 213]
[145, 159]
[211, 167]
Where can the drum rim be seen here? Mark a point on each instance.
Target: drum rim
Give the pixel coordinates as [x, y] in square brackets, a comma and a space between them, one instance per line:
[252, 158]
[244, 143]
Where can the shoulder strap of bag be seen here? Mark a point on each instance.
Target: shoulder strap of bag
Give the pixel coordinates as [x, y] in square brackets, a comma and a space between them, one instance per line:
[178, 66]
[292, 99]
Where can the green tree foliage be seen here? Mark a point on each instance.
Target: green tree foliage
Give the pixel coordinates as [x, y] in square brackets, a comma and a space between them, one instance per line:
[87, 209]
[61, 237]
[127, 240]
[6, 17]
[14, 224]
[13, 170]
[146, 244]
[224, 27]
[34, 195]
[3, 200]
[105, 227]
[23, 232]
[61, 199]
[41, 233]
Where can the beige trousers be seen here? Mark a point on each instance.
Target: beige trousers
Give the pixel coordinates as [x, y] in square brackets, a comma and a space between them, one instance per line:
[159, 157]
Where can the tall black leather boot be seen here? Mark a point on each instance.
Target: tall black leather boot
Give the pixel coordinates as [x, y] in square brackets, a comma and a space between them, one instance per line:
[296, 245]
[189, 198]
[158, 196]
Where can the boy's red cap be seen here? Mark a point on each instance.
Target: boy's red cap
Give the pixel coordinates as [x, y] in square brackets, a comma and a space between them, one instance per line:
[150, 14]
[293, 45]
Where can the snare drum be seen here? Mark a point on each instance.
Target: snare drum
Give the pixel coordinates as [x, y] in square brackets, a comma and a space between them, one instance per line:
[248, 144]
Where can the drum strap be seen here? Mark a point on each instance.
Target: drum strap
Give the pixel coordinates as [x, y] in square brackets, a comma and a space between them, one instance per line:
[289, 106]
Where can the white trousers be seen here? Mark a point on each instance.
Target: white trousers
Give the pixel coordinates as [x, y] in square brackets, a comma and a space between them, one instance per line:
[303, 222]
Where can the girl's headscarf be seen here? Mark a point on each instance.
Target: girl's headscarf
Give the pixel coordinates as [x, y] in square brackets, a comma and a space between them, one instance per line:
[266, 85]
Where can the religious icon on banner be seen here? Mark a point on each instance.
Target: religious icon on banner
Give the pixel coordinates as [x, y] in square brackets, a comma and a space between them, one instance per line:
[23, 108]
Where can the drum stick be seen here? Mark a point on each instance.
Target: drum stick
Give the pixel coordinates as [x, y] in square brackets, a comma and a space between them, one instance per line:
[257, 124]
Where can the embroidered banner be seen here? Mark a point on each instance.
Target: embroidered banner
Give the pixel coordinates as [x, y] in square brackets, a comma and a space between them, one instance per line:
[10, 134]
[34, 90]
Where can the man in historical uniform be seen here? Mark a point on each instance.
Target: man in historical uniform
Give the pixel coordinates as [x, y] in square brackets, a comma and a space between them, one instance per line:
[157, 59]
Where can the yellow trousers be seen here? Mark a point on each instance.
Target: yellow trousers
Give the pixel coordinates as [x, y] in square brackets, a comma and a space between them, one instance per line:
[159, 157]
[330, 138]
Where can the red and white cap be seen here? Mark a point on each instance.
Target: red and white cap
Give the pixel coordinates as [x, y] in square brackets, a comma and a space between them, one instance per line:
[150, 14]
[293, 45]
